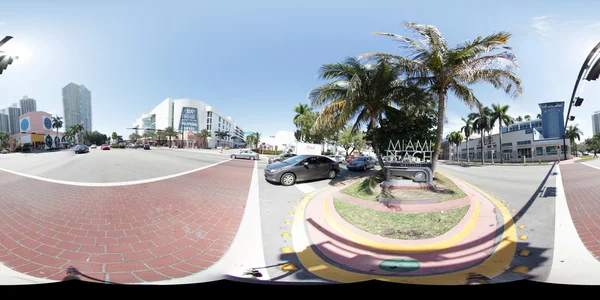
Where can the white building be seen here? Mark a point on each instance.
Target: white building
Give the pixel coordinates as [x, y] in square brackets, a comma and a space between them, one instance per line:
[522, 140]
[192, 115]
[27, 105]
[77, 105]
[596, 122]
[280, 141]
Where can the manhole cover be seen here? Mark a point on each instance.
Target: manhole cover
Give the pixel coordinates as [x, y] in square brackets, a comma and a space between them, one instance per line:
[399, 265]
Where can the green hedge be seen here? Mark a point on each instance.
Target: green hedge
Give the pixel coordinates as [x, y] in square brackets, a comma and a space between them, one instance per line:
[268, 152]
[117, 146]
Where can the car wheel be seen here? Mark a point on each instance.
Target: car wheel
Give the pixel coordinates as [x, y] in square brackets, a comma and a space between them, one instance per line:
[288, 179]
[332, 174]
[233, 156]
[251, 157]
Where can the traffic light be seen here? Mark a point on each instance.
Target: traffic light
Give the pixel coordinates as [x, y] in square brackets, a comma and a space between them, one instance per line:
[578, 101]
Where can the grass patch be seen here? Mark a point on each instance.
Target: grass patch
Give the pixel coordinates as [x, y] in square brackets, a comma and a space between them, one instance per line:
[584, 158]
[369, 189]
[414, 226]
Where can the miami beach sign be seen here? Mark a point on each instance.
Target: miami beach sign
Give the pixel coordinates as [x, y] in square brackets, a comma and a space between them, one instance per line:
[407, 151]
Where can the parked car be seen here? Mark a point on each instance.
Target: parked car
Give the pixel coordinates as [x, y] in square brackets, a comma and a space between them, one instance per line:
[247, 154]
[4, 152]
[350, 158]
[281, 157]
[81, 149]
[105, 147]
[340, 159]
[301, 168]
[93, 146]
[146, 146]
[362, 163]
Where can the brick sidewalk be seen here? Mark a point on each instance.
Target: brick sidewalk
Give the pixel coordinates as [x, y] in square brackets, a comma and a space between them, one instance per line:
[137, 233]
[583, 198]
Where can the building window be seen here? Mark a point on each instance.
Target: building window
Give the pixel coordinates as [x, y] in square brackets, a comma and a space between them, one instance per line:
[551, 150]
[539, 151]
[523, 143]
[507, 144]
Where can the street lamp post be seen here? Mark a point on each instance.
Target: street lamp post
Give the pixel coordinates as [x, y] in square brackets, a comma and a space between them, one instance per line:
[592, 75]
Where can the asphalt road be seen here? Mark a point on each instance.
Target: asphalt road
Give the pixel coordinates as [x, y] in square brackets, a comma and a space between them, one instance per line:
[276, 204]
[115, 165]
[530, 190]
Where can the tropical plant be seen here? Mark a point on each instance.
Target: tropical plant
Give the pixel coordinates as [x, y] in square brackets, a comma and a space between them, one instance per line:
[482, 124]
[573, 132]
[519, 119]
[499, 115]
[170, 133]
[359, 92]
[300, 111]
[527, 118]
[467, 129]
[539, 116]
[456, 138]
[430, 63]
[4, 137]
[57, 123]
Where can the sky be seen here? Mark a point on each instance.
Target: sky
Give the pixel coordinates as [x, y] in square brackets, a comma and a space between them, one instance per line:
[256, 60]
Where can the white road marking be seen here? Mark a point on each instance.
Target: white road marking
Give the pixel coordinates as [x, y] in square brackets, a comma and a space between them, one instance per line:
[305, 187]
[590, 165]
[104, 184]
[246, 250]
[572, 263]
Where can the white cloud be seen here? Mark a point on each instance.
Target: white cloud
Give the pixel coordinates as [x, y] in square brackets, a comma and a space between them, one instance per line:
[540, 25]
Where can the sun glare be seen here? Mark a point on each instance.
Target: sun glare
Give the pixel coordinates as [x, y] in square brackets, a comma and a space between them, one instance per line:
[14, 48]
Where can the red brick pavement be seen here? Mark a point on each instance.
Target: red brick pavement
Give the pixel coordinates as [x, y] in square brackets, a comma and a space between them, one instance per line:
[137, 233]
[582, 190]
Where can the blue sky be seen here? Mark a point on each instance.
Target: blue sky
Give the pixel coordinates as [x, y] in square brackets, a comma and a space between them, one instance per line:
[256, 60]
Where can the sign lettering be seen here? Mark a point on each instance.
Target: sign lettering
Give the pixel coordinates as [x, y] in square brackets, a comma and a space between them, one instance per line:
[408, 151]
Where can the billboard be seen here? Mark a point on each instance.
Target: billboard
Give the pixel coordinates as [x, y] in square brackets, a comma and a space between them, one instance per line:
[189, 119]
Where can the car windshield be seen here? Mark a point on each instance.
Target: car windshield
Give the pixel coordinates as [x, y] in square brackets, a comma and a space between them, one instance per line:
[362, 158]
[295, 159]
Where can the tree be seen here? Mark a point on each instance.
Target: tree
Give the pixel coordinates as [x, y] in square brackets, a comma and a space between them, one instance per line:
[467, 129]
[527, 118]
[482, 124]
[441, 69]
[539, 116]
[359, 92]
[57, 123]
[300, 111]
[400, 124]
[519, 119]
[499, 114]
[4, 137]
[170, 132]
[573, 132]
[350, 139]
[456, 138]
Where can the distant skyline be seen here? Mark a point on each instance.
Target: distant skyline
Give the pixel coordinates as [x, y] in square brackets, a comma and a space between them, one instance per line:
[256, 60]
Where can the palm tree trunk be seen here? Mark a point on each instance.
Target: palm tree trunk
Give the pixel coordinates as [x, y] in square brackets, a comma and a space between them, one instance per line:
[468, 158]
[501, 153]
[440, 130]
[482, 147]
[458, 152]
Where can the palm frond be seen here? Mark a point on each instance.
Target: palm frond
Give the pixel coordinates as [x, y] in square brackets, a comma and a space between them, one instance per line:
[500, 79]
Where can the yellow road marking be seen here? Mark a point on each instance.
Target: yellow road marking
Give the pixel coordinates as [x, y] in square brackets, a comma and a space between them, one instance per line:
[445, 244]
[495, 265]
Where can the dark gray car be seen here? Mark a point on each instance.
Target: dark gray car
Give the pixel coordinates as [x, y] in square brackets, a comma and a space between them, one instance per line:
[301, 168]
[281, 157]
[361, 163]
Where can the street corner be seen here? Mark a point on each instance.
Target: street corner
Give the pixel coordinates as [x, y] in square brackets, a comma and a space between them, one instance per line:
[139, 233]
[331, 248]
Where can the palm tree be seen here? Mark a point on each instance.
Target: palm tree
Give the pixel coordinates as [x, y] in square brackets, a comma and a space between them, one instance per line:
[257, 141]
[467, 129]
[170, 132]
[57, 123]
[481, 125]
[251, 140]
[573, 132]
[457, 138]
[300, 111]
[432, 64]
[499, 114]
[358, 91]
[450, 139]
[4, 137]
[539, 116]
[527, 118]
[519, 119]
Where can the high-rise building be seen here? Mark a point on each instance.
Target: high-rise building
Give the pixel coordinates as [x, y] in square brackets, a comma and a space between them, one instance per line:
[596, 122]
[553, 119]
[4, 122]
[14, 112]
[77, 105]
[27, 105]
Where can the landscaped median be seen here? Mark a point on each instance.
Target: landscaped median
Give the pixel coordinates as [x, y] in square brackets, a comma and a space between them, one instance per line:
[365, 239]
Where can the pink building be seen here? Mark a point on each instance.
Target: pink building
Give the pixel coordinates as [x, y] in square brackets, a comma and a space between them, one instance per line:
[36, 129]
